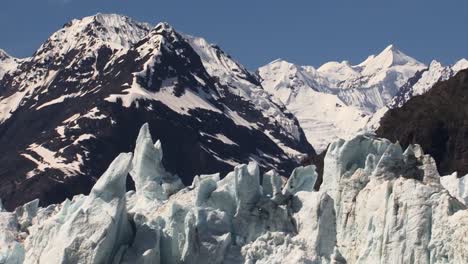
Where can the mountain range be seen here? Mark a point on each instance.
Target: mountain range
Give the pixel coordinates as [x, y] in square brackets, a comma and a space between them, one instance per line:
[340, 100]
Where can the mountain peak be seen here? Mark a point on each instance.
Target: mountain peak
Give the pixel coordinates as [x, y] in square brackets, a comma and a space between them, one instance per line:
[435, 63]
[7, 63]
[278, 60]
[163, 29]
[163, 26]
[391, 56]
[391, 47]
[281, 61]
[115, 31]
[397, 57]
[460, 65]
[4, 55]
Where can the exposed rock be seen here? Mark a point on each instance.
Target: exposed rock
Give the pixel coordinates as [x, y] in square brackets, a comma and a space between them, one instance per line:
[436, 120]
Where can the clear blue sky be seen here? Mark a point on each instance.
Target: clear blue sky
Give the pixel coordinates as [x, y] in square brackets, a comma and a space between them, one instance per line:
[256, 32]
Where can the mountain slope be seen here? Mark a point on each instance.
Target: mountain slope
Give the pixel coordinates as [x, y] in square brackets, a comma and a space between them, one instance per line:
[85, 97]
[323, 116]
[437, 120]
[424, 80]
[338, 100]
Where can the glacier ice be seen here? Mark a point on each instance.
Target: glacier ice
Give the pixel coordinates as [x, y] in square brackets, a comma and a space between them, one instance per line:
[457, 187]
[152, 181]
[89, 229]
[11, 250]
[377, 204]
[301, 179]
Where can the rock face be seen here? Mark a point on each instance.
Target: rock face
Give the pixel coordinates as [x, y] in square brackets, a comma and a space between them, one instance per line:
[437, 120]
[339, 100]
[377, 204]
[89, 88]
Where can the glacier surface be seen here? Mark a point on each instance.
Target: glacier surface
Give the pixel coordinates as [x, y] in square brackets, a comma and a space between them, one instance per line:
[378, 204]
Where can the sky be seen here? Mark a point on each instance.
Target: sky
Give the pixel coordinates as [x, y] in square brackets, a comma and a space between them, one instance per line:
[256, 32]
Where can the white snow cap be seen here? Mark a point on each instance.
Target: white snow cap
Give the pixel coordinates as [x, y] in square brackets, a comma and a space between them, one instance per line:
[115, 31]
[460, 65]
[7, 63]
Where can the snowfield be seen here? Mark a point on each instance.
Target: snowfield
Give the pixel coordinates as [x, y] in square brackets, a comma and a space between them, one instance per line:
[377, 204]
[340, 100]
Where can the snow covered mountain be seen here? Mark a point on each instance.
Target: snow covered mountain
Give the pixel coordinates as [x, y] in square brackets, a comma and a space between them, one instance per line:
[424, 80]
[84, 94]
[340, 100]
[321, 113]
[377, 204]
[75, 47]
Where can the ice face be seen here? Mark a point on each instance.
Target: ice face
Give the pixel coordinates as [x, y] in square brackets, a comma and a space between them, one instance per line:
[90, 229]
[11, 251]
[272, 183]
[147, 171]
[377, 204]
[386, 199]
[457, 187]
[301, 179]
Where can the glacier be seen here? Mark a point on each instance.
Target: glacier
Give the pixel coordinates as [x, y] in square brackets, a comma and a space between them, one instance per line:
[378, 203]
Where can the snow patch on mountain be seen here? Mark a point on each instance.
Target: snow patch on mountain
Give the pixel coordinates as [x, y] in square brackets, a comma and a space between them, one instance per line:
[47, 159]
[180, 104]
[387, 72]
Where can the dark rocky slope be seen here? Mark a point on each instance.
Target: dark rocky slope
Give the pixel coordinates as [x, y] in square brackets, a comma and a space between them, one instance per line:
[438, 121]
